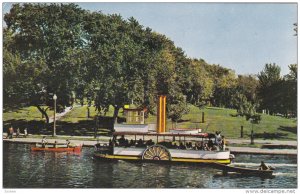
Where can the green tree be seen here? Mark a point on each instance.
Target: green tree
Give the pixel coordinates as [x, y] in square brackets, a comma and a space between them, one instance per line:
[289, 92]
[167, 84]
[224, 84]
[48, 40]
[269, 83]
[201, 84]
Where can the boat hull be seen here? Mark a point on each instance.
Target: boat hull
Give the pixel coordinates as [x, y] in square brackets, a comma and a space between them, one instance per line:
[174, 155]
[173, 160]
[59, 149]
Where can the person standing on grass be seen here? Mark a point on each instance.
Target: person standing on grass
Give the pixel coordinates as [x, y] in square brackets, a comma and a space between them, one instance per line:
[18, 132]
[7, 131]
[11, 132]
[25, 132]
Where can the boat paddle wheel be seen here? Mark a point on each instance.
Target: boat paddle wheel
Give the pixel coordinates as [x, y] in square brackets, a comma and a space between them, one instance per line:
[156, 152]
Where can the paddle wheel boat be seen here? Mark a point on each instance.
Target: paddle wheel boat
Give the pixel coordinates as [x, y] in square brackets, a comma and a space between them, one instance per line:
[163, 147]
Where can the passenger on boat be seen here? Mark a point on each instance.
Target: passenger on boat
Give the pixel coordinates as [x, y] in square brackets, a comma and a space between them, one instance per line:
[110, 143]
[197, 146]
[182, 146]
[206, 148]
[263, 166]
[122, 141]
[97, 145]
[44, 142]
[149, 142]
[126, 143]
[131, 143]
[223, 146]
[210, 144]
[202, 145]
[174, 146]
[55, 144]
[215, 148]
[218, 139]
[140, 143]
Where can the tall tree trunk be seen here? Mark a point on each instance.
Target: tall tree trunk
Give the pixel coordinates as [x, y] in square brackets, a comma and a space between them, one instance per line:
[116, 112]
[43, 111]
[88, 112]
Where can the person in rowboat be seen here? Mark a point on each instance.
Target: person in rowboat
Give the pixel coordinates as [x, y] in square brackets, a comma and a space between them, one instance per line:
[55, 144]
[263, 166]
[44, 142]
[68, 143]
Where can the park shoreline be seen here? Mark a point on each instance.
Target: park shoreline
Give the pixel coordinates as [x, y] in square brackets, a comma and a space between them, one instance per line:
[90, 143]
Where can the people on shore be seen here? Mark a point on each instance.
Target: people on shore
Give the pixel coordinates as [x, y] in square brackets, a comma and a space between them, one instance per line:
[25, 132]
[18, 132]
[10, 132]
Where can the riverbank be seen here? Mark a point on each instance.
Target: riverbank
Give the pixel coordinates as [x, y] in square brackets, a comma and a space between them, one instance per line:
[88, 141]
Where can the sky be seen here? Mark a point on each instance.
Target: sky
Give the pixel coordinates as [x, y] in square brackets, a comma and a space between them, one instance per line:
[240, 36]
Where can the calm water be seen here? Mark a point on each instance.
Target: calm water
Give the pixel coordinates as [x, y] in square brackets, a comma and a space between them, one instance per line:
[25, 169]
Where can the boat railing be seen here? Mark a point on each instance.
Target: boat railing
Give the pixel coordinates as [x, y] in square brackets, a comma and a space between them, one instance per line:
[189, 145]
[203, 141]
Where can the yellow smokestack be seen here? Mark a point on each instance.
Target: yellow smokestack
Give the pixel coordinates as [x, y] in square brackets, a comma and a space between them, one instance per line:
[161, 114]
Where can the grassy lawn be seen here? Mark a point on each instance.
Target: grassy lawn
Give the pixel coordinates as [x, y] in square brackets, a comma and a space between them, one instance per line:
[216, 119]
[27, 113]
[79, 113]
[219, 119]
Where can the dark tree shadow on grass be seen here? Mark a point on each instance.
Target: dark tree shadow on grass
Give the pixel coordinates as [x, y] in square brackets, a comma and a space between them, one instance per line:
[33, 127]
[182, 121]
[81, 128]
[266, 135]
[288, 129]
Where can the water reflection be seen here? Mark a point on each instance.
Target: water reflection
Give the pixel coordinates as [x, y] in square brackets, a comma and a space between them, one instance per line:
[26, 169]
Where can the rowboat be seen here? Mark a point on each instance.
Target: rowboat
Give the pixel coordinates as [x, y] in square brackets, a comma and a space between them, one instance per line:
[190, 148]
[56, 148]
[244, 171]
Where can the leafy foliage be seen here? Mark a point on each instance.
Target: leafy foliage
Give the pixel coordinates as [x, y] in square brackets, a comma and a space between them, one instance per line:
[63, 49]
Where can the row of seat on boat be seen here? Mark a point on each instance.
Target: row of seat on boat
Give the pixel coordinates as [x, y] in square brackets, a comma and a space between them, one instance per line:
[209, 145]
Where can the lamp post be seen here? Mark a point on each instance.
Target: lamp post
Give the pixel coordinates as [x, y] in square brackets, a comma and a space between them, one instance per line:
[252, 134]
[54, 119]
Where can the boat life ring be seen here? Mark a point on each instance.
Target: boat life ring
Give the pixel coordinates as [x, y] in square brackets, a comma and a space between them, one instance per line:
[156, 152]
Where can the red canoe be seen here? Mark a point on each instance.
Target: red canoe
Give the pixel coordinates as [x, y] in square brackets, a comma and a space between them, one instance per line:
[58, 149]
